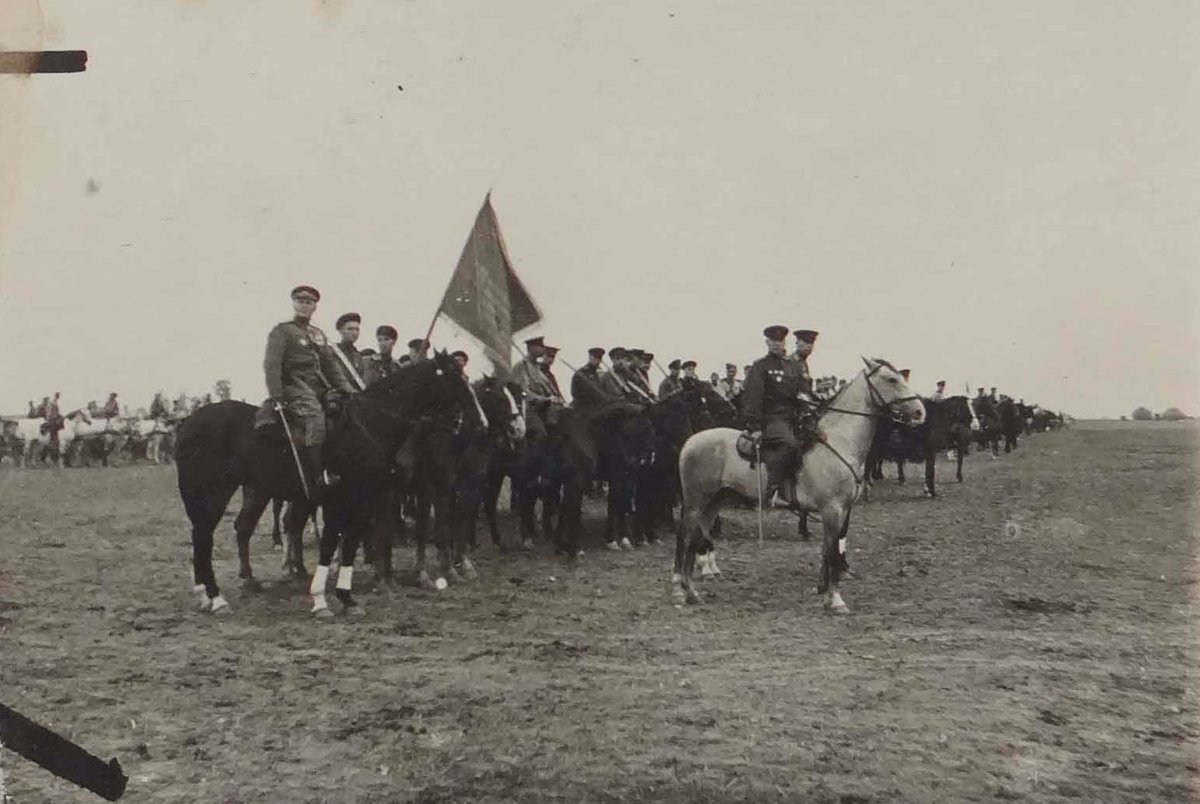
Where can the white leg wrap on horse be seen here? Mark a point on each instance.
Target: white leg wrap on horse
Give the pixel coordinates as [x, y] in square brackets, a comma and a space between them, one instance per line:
[201, 595]
[219, 603]
[344, 576]
[320, 577]
[319, 603]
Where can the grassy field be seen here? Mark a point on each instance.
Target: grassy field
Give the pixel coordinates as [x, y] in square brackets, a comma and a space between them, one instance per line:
[1029, 635]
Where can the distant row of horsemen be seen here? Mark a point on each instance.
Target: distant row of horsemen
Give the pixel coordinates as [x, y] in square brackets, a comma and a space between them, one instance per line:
[356, 432]
[95, 433]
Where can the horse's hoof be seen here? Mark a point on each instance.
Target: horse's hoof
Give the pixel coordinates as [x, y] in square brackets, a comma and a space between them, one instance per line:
[454, 577]
[677, 596]
[252, 585]
[527, 545]
[468, 570]
[220, 607]
[838, 609]
[694, 598]
[278, 548]
[324, 613]
[613, 546]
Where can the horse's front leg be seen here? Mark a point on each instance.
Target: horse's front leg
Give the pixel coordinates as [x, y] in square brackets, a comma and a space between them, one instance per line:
[293, 525]
[835, 521]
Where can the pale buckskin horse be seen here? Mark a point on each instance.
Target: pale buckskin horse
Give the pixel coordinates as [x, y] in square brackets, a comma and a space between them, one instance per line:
[827, 484]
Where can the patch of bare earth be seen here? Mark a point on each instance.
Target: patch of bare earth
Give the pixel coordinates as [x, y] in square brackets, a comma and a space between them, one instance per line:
[1029, 635]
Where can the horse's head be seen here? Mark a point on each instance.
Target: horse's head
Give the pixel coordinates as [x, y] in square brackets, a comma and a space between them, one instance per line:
[890, 392]
[499, 402]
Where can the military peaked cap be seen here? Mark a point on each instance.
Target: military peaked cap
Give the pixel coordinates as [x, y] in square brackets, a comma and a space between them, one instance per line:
[776, 333]
[386, 329]
[538, 342]
[806, 335]
[596, 351]
[687, 364]
[460, 353]
[416, 343]
[674, 364]
[345, 318]
[731, 366]
[306, 289]
[619, 352]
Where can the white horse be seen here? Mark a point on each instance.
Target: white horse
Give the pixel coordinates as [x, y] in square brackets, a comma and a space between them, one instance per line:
[27, 441]
[151, 432]
[827, 483]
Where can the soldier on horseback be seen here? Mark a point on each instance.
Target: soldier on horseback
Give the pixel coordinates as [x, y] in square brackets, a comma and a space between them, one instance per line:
[381, 364]
[301, 371]
[771, 407]
[588, 391]
[349, 326]
[112, 409]
[672, 383]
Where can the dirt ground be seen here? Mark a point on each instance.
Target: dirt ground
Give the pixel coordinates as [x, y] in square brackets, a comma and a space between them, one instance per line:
[1030, 635]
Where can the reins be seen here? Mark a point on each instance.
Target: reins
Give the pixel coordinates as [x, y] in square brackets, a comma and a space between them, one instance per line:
[877, 402]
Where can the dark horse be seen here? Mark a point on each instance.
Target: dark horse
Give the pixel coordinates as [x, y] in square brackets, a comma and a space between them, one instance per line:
[696, 408]
[451, 476]
[218, 450]
[609, 444]
[1011, 422]
[506, 457]
[947, 425]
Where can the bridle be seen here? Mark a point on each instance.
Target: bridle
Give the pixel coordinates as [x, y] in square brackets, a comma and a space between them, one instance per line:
[878, 403]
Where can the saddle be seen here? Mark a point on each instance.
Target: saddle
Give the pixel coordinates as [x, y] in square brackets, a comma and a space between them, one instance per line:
[745, 449]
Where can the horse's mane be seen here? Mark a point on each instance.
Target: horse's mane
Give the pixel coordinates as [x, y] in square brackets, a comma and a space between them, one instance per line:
[406, 377]
[886, 363]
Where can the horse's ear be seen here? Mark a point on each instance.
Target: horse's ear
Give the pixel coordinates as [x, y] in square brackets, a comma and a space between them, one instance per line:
[866, 362]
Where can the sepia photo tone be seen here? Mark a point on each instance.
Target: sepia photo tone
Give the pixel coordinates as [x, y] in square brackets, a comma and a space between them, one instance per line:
[581, 401]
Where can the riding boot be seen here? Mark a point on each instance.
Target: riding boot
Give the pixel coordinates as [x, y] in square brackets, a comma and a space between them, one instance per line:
[778, 491]
[324, 476]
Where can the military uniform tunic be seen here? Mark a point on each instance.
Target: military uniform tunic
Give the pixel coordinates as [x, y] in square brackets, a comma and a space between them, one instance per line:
[355, 359]
[300, 369]
[670, 385]
[770, 404]
[378, 366]
[588, 388]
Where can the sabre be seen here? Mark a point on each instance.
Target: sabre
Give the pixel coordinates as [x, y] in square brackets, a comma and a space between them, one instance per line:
[295, 453]
[758, 465]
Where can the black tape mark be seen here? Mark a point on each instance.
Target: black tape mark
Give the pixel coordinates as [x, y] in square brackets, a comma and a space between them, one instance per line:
[60, 756]
[25, 62]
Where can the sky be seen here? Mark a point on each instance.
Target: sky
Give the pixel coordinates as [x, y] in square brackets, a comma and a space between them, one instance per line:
[999, 194]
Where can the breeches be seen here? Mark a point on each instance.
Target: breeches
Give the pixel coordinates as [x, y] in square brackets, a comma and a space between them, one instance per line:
[305, 417]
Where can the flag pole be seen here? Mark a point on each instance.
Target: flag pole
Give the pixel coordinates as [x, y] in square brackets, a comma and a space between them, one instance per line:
[660, 368]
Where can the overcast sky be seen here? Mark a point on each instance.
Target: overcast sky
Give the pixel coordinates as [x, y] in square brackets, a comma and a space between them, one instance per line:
[992, 193]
